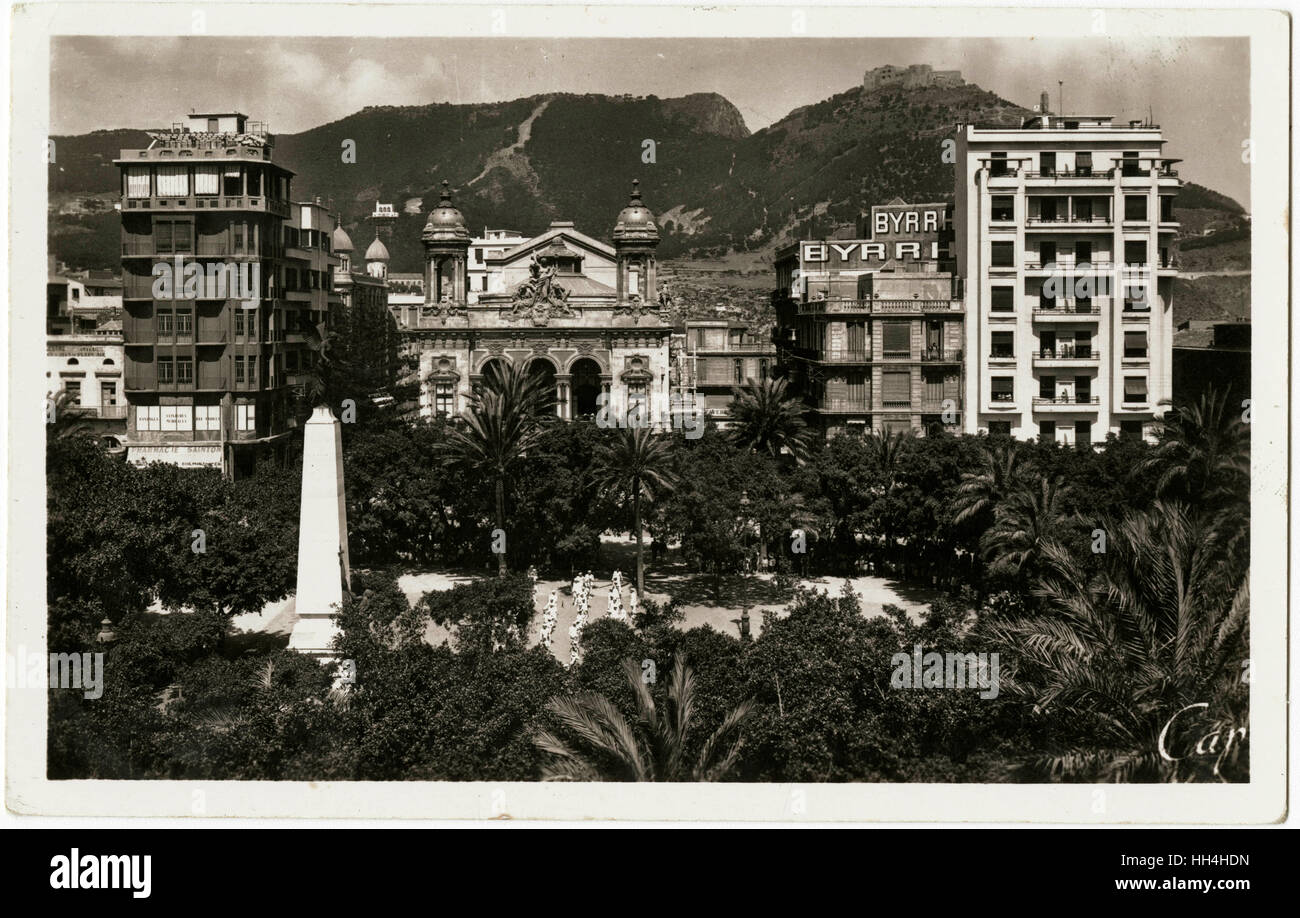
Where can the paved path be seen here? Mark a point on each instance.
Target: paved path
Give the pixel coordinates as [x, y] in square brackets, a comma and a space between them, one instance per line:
[664, 580]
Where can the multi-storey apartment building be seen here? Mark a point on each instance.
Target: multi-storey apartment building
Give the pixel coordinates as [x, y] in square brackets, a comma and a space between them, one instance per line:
[1066, 230]
[870, 330]
[492, 244]
[220, 273]
[713, 357]
[84, 355]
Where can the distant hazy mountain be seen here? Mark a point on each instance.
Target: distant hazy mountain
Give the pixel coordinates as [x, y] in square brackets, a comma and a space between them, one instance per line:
[518, 165]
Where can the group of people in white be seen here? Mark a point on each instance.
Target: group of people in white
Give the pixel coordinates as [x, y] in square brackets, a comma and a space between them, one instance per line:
[582, 591]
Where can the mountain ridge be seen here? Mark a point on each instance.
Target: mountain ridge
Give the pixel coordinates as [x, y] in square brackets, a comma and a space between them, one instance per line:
[520, 164]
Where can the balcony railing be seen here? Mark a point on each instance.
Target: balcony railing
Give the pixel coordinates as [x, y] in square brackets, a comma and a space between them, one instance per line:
[834, 305]
[940, 355]
[1073, 174]
[1066, 352]
[104, 412]
[1068, 267]
[1043, 401]
[916, 305]
[853, 356]
[933, 405]
[1067, 308]
[843, 406]
[1072, 220]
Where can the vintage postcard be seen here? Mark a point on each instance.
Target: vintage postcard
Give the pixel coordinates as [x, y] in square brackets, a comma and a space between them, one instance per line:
[791, 414]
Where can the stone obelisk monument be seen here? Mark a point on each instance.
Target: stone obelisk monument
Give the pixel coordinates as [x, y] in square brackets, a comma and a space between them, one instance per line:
[323, 572]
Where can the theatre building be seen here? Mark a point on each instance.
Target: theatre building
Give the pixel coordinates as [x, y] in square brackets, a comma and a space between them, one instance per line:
[870, 327]
[581, 314]
[1066, 229]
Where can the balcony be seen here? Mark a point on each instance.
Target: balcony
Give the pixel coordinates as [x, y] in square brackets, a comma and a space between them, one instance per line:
[835, 305]
[854, 356]
[1068, 311]
[1072, 223]
[103, 412]
[841, 406]
[1066, 356]
[939, 405]
[940, 355]
[1067, 403]
[182, 203]
[1036, 265]
[916, 305]
[1077, 176]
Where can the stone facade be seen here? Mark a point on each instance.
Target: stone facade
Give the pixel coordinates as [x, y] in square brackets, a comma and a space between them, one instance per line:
[583, 314]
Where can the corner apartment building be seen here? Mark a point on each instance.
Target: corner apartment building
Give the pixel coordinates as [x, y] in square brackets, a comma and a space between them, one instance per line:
[870, 330]
[1066, 230]
[710, 359]
[208, 364]
[84, 353]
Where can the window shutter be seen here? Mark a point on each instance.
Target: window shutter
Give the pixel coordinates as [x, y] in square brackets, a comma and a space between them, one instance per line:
[1135, 386]
[897, 387]
[173, 181]
[898, 337]
[206, 180]
[137, 182]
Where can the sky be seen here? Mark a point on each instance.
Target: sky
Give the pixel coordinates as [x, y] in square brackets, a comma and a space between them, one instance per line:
[1198, 89]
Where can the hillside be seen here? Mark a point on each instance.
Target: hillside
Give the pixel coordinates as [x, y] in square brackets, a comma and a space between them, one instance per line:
[719, 191]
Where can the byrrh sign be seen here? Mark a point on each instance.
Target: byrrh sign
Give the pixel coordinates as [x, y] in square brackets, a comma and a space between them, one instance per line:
[903, 232]
[853, 252]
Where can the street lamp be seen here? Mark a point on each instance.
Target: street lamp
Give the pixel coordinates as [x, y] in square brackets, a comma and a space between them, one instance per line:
[744, 583]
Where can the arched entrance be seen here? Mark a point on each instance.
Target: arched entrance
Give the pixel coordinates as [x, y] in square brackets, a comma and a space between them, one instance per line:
[586, 387]
[543, 371]
[492, 370]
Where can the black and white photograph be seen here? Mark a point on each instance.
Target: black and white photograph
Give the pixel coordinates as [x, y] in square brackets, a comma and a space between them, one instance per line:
[784, 414]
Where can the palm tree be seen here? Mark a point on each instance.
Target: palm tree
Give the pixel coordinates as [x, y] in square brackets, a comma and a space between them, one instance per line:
[636, 464]
[652, 748]
[1204, 453]
[1024, 522]
[887, 453]
[982, 489]
[503, 421]
[767, 418]
[66, 420]
[1160, 627]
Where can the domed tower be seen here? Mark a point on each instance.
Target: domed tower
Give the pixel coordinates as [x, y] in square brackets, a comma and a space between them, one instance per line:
[446, 253]
[635, 238]
[377, 259]
[342, 246]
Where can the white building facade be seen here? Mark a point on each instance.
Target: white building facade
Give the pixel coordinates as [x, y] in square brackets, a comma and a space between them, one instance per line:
[1065, 237]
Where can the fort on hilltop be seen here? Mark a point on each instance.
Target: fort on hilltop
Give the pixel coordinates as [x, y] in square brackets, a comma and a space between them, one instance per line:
[914, 76]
